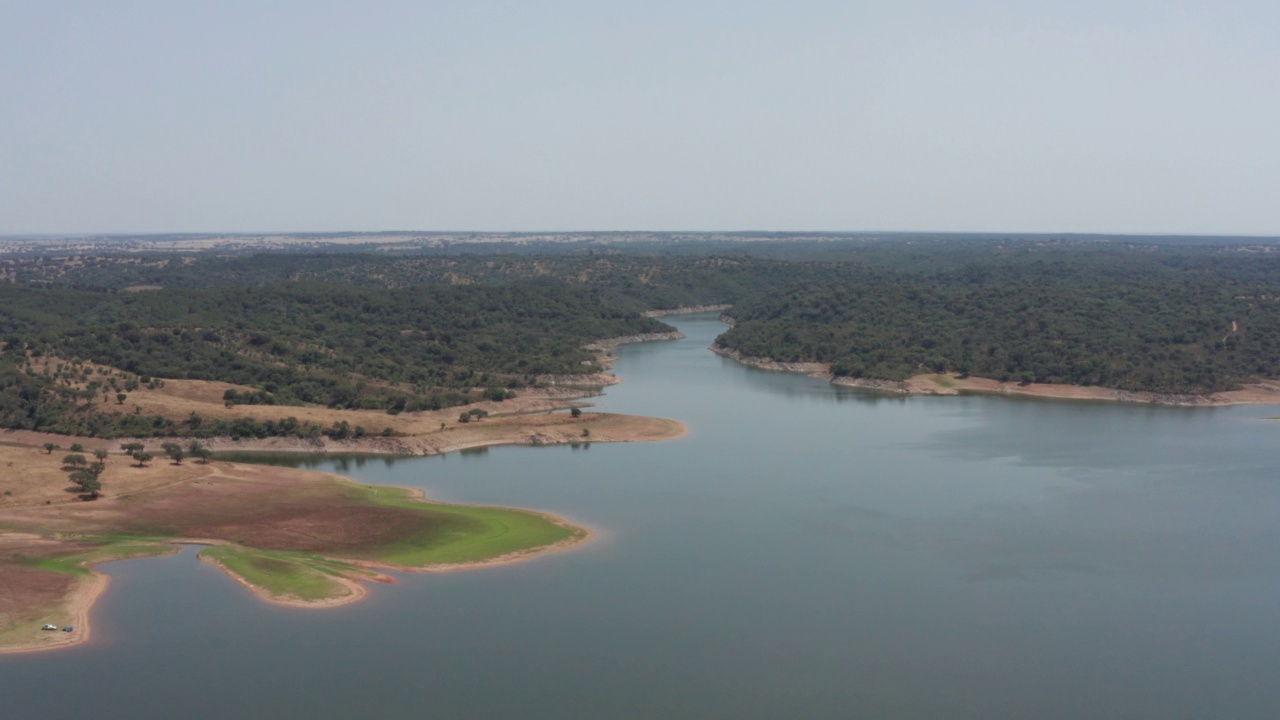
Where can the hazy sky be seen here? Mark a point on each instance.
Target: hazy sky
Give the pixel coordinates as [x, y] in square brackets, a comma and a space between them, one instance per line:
[1107, 116]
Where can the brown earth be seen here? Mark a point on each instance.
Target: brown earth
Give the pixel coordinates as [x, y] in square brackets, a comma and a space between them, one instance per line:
[42, 515]
[527, 419]
[264, 507]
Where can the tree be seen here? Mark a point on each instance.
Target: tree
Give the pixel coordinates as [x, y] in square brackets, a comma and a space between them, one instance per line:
[464, 418]
[50, 447]
[202, 454]
[576, 412]
[87, 482]
[175, 453]
[143, 458]
[101, 454]
[132, 447]
[77, 448]
[75, 460]
[96, 469]
[120, 398]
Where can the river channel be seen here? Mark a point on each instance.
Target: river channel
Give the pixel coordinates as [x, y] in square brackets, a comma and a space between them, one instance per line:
[807, 551]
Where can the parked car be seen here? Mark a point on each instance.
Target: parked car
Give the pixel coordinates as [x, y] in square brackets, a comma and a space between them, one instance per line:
[49, 627]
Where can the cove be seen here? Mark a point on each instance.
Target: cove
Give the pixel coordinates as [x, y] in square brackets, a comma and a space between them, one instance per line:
[805, 551]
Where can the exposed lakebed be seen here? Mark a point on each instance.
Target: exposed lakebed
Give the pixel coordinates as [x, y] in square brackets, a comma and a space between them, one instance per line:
[806, 551]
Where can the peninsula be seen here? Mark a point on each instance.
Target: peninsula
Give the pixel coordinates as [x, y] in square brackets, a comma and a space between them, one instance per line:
[291, 536]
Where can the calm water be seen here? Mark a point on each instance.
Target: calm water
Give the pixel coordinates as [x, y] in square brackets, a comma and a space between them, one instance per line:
[805, 552]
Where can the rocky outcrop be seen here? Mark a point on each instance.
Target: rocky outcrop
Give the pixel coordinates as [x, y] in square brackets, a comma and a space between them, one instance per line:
[614, 343]
[812, 369]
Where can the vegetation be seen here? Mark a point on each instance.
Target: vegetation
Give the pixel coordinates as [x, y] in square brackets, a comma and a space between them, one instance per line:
[1132, 328]
[452, 534]
[393, 350]
[302, 576]
[430, 331]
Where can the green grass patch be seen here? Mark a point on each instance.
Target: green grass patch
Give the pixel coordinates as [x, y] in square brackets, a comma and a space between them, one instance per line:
[460, 533]
[113, 548]
[286, 574]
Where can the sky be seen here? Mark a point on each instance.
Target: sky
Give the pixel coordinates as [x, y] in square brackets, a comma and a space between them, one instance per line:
[1115, 116]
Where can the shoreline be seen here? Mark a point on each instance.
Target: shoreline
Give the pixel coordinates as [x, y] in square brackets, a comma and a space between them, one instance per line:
[80, 606]
[687, 310]
[544, 426]
[357, 591]
[82, 599]
[581, 535]
[428, 445]
[1259, 393]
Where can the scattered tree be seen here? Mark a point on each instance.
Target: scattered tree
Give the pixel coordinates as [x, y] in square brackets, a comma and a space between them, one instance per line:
[175, 452]
[74, 460]
[50, 447]
[87, 482]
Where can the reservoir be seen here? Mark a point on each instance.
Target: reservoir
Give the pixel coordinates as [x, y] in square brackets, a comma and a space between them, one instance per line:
[807, 551]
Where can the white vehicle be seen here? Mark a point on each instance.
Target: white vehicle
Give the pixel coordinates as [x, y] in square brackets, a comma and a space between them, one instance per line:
[49, 627]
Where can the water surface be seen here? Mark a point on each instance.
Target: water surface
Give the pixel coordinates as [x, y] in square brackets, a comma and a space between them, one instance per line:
[806, 551]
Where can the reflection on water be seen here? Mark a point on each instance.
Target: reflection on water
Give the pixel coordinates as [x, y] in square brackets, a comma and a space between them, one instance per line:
[806, 551]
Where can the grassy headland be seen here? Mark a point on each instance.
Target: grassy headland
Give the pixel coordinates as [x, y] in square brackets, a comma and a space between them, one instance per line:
[292, 536]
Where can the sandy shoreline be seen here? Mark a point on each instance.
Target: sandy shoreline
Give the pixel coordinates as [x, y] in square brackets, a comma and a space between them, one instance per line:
[605, 427]
[79, 606]
[357, 591]
[81, 603]
[1260, 393]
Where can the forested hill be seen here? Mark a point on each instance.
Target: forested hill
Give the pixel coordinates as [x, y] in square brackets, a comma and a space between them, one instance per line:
[1198, 328]
[401, 350]
[405, 333]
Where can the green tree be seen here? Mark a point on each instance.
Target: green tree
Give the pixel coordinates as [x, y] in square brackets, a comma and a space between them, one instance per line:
[50, 447]
[75, 460]
[87, 482]
[175, 452]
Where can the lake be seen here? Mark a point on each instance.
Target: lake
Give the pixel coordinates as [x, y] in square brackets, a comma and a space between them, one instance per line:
[806, 551]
